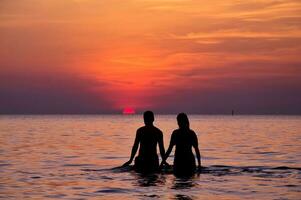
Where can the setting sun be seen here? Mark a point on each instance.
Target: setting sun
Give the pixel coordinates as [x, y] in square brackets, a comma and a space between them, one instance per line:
[128, 111]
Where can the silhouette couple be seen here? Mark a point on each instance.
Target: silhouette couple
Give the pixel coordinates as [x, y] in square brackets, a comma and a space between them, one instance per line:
[149, 136]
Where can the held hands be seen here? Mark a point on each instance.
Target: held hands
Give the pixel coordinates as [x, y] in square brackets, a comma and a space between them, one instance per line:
[164, 163]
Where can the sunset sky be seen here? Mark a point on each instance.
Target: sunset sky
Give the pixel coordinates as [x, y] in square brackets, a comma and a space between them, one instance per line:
[194, 56]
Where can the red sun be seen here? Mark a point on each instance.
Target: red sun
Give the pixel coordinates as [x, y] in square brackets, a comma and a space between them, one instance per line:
[128, 111]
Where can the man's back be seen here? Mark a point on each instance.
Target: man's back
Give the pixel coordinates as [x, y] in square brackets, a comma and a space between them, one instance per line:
[149, 137]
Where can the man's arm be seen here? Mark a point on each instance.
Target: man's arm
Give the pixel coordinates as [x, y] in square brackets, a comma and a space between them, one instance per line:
[161, 146]
[134, 150]
[171, 144]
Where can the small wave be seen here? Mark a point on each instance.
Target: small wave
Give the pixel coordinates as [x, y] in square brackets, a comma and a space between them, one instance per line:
[151, 196]
[5, 164]
[122, 169]
[36, 177]
[55, 196]
[290, 185]
[260, 171]
[94, 170]
[78, 165]
[113, 157]
[287, 168]
[113, 190]
[225, 170]
[71, 156]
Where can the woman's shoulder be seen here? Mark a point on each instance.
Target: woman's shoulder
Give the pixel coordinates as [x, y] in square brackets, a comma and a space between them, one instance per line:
[176, 131]
[192, 133]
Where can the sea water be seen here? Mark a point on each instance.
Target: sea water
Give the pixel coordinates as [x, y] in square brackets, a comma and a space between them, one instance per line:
[74, 157]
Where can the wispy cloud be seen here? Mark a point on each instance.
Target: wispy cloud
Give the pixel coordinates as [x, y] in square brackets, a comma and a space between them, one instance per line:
[157, 54]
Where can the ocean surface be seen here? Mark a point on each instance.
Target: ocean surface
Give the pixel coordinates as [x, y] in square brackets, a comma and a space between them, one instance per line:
[74, 157]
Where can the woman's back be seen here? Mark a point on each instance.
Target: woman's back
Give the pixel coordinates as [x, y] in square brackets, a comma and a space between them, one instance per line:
[184, 160]
[184, 139]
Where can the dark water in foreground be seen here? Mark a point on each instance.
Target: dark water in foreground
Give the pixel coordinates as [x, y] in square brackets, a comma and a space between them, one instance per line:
[71, 157]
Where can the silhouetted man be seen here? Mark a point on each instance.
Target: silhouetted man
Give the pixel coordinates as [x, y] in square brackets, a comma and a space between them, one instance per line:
[148, 137]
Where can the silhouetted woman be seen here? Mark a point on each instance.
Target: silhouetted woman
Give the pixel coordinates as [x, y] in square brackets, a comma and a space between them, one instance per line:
[184, 139]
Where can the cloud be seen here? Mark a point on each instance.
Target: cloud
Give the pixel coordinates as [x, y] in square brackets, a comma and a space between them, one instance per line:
[239, 34]
[170, 55]
[246, 92]
[54, 93]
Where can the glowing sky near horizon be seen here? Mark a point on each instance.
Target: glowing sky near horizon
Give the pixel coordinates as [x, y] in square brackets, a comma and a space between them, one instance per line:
[101, 56]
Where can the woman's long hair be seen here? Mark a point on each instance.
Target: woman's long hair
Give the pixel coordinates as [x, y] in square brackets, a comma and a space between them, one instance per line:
[183, 121]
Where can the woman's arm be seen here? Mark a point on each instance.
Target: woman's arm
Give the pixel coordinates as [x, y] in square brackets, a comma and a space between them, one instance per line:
[198, 156]
[197, 151]
[171, 144]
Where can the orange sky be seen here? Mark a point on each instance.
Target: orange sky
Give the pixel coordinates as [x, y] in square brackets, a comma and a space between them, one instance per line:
[166, 55]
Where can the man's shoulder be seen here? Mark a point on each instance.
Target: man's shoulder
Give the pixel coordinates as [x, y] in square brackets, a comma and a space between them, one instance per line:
[147, 129]
[141, 129]
[158, 130]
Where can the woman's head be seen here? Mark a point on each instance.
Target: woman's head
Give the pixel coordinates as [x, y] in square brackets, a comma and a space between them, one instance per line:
[183, 121]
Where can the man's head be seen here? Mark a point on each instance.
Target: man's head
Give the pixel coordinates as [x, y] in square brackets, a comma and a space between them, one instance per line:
[148, 117]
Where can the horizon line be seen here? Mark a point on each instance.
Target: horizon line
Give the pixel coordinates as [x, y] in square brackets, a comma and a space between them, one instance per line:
[135, 114]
